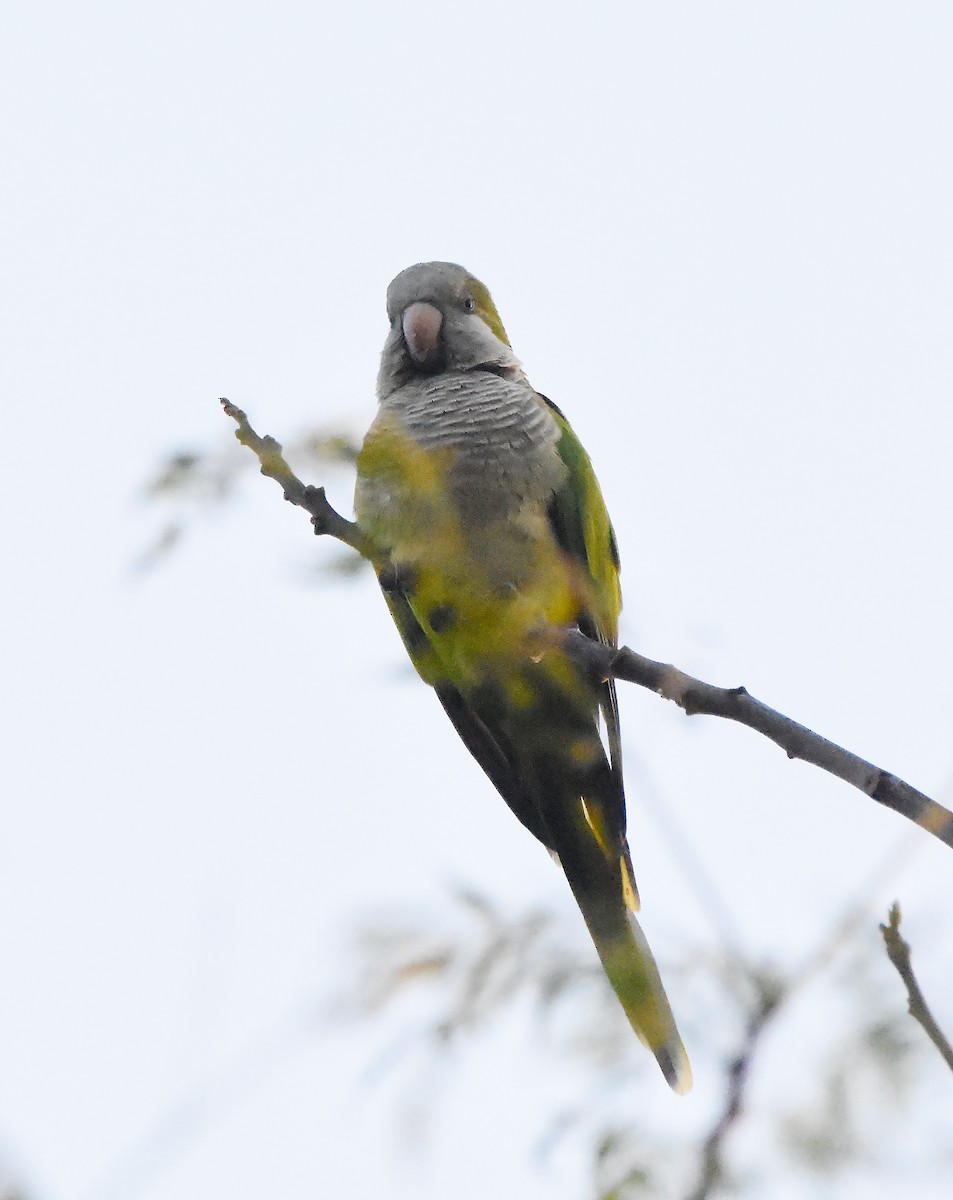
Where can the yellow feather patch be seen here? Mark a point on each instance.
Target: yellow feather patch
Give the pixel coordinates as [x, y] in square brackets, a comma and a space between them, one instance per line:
[629, 894]
[596, 824]
[486, 308]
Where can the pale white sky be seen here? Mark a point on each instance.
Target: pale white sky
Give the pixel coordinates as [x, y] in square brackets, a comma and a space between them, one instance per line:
[720, 239]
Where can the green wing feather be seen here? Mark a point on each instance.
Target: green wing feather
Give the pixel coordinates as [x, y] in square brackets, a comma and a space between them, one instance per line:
[582, 527]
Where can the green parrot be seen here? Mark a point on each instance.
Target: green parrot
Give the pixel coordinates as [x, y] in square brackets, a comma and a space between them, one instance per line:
[493, 540]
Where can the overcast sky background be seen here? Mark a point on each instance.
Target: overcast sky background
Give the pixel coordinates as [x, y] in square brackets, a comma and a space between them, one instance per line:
[720, 238]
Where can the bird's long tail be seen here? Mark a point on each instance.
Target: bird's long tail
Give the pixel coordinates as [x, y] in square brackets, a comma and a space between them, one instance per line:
[600, 876]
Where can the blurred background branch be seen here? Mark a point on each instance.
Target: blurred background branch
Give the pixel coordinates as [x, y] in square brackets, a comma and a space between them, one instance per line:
[898, 951]
[524, 963]
[192, 484]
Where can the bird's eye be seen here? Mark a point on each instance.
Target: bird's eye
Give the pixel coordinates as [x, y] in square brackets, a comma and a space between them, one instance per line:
[469, 304]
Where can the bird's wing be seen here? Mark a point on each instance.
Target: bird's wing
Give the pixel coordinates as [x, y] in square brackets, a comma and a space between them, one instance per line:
[581, 525]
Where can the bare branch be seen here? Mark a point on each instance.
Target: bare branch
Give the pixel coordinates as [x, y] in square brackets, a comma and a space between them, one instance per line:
[313, 500]
[771, 995]
[898, 951]
[604, 662]
[737, 704]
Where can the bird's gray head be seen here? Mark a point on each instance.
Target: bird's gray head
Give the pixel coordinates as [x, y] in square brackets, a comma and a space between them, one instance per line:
[441, 319]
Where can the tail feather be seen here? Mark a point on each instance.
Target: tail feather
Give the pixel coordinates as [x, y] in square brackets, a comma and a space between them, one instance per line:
[666, 1044]
[602, 885]
[573, 791]
[630, 966]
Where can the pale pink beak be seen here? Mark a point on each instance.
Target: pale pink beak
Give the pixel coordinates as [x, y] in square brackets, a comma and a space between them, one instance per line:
[421, 325]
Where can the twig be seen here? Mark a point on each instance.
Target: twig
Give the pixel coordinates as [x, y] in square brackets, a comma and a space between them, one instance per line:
[771, 995]
[898, 951]
[690, 694]
[313, 500]
[797, 741]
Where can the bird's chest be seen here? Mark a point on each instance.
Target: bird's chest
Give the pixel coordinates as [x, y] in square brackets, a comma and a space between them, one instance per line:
[496, 441]
[455, 483]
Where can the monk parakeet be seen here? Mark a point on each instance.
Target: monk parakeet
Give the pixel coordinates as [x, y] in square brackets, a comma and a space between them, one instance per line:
[493, 536]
